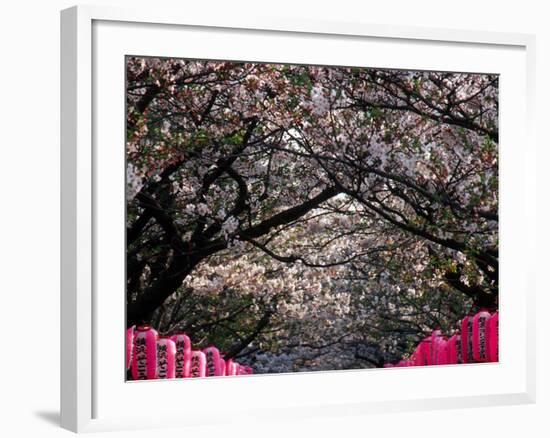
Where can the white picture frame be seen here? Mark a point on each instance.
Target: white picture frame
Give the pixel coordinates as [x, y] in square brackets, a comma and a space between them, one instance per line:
[95, 397]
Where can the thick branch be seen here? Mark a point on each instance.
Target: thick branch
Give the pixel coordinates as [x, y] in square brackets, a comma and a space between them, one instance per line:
[262, 323]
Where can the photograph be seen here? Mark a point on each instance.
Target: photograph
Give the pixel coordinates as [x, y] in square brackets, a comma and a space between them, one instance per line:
[286, 218]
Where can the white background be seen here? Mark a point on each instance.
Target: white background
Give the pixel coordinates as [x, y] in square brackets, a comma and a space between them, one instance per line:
[29, 216]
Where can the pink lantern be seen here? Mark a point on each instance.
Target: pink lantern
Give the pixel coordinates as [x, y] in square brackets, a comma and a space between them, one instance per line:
[213, 367]
[437, 349]
[166, 357]
[230, 368]
[492, 331]
[198, 364]
[466, 337]
[222, 366]
[421, 355]
[183, 355]
[442, 355]
[454, 349]
[129, 346]
[144, 361]
[247, 370]
[479, 337]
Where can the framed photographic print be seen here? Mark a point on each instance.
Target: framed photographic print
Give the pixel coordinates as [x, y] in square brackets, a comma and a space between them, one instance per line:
[252, 208]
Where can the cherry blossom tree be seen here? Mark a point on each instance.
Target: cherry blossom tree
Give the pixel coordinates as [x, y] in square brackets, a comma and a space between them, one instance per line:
[309, 217]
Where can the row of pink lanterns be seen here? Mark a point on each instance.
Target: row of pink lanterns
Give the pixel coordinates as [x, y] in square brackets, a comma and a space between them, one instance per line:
[477, 342]
[150, 356]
